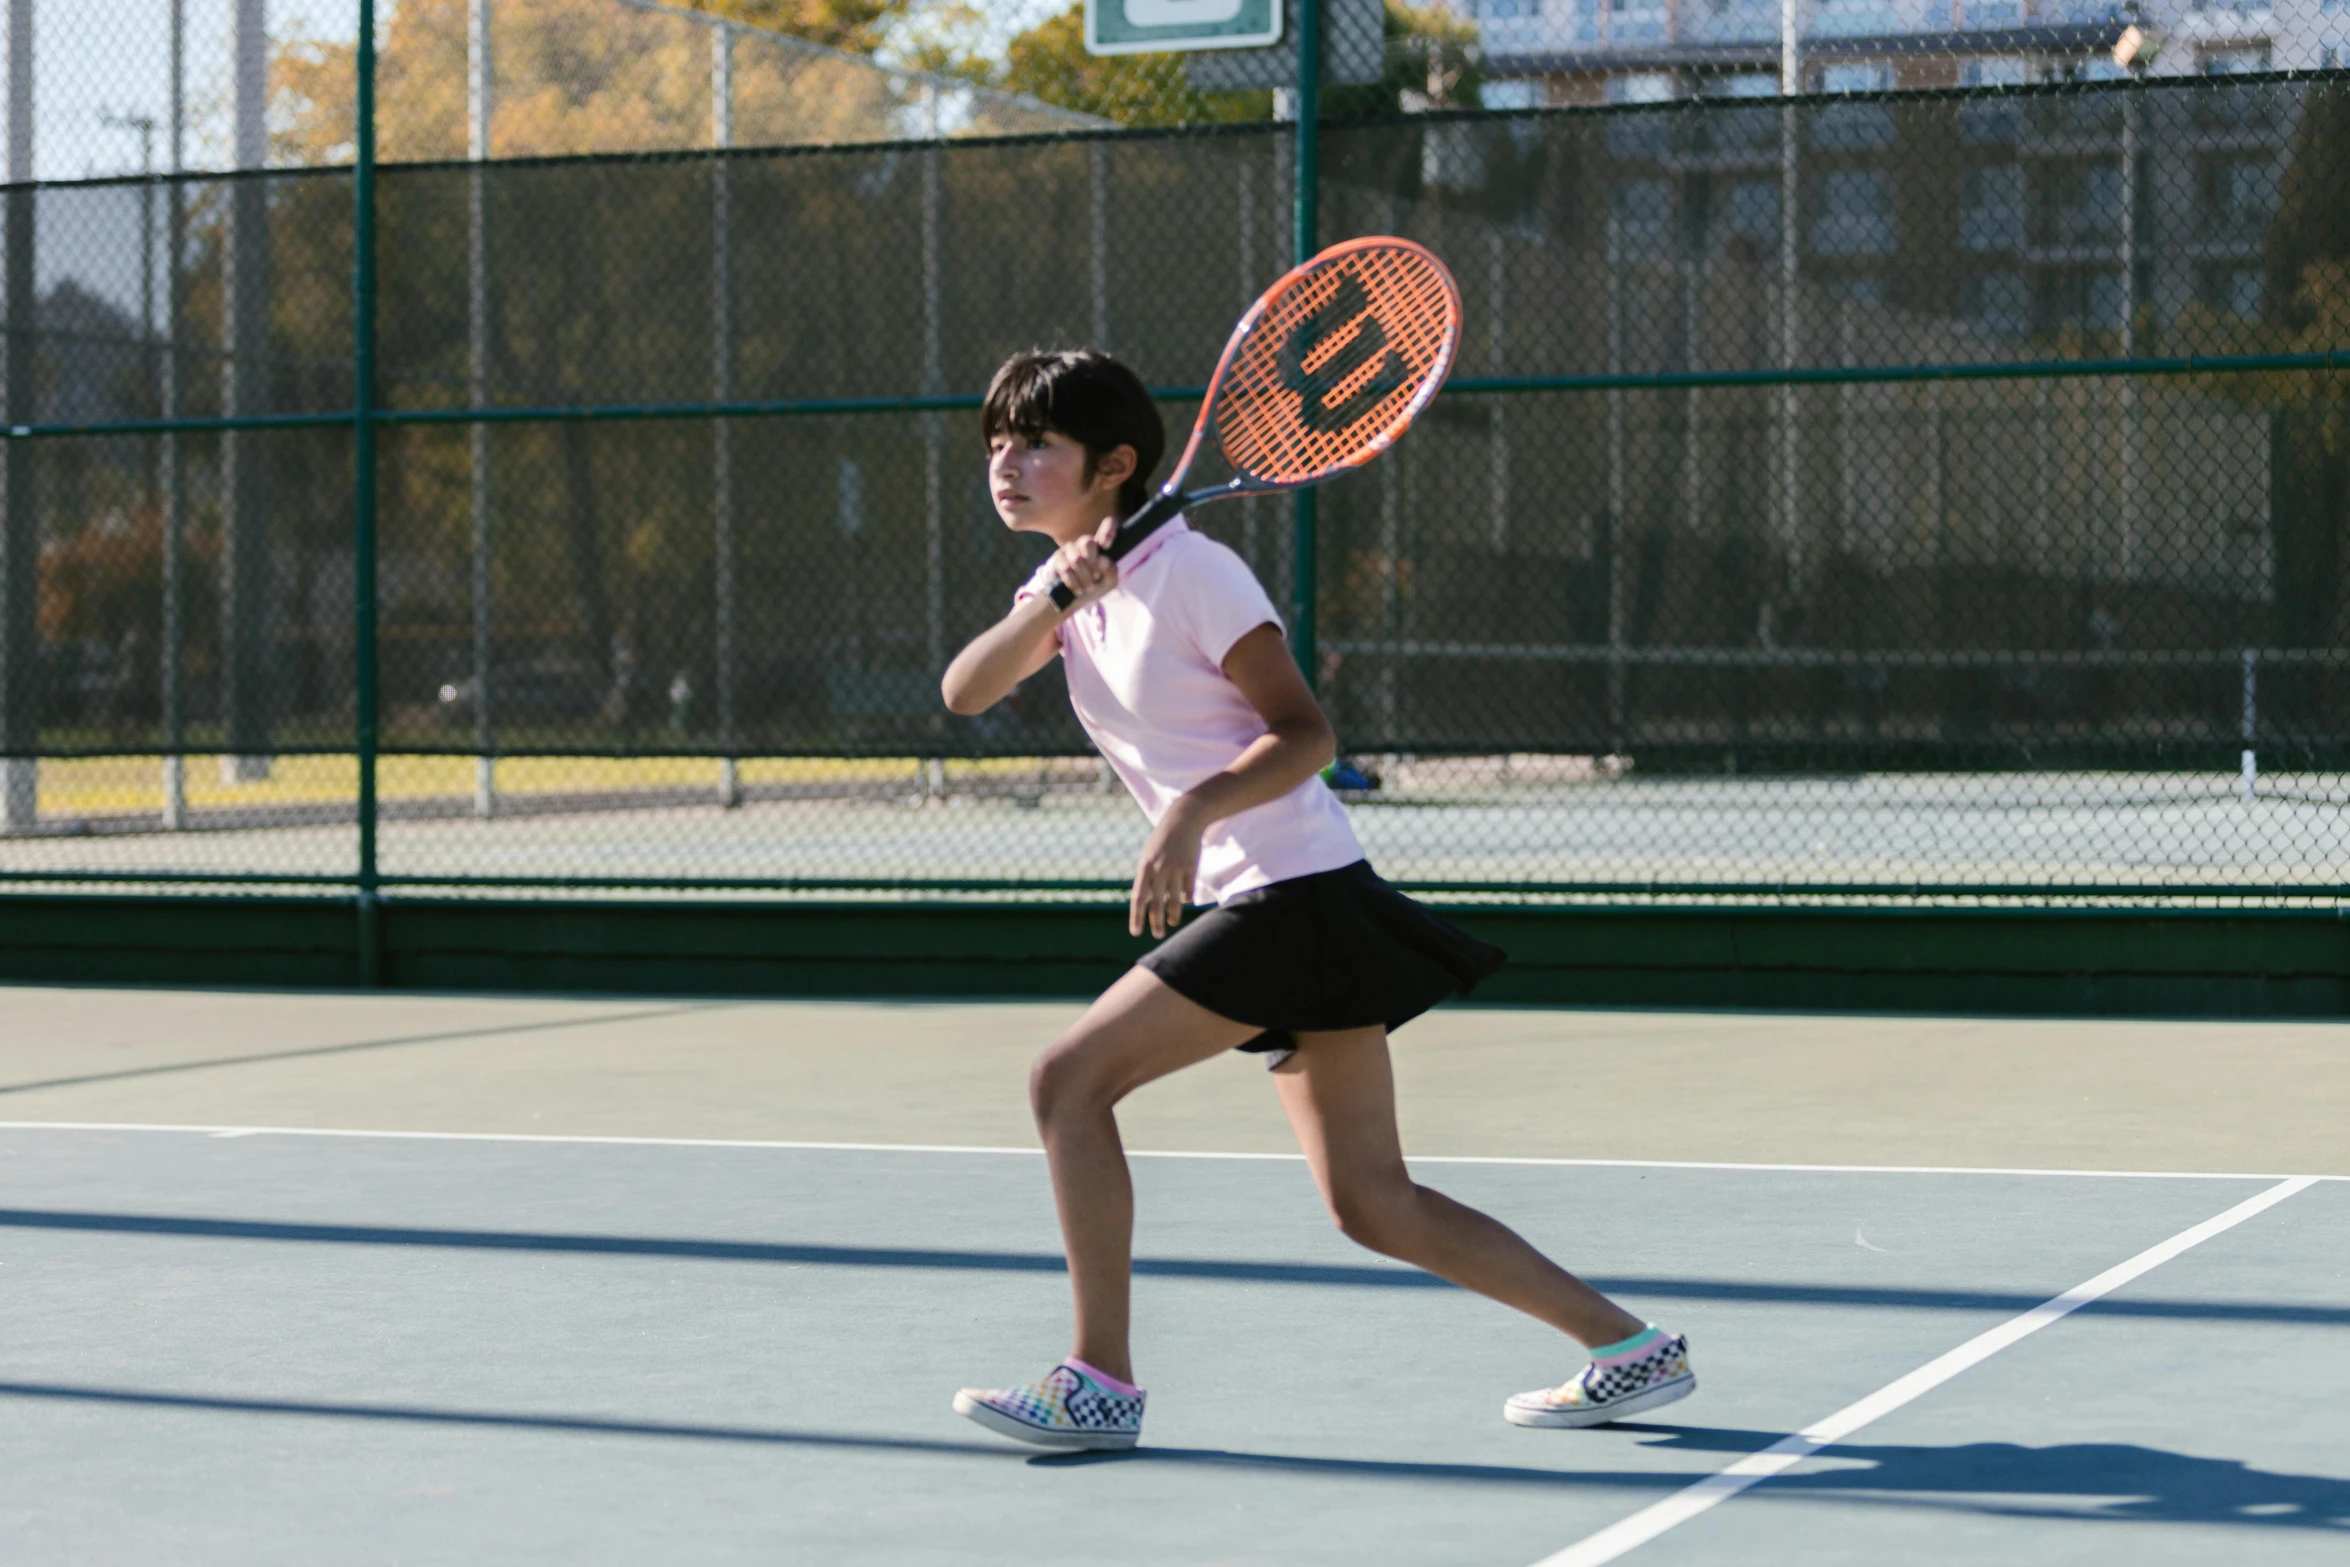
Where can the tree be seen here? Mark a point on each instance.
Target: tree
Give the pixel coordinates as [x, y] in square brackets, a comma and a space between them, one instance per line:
[1431, 64]
[859, 26]
[574, 76]
[1049, 61]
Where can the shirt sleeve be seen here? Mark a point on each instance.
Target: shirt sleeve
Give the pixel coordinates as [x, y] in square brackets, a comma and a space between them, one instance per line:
[1218, 600]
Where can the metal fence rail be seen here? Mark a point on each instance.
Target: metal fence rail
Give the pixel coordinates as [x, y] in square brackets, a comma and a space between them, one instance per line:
[1895, 495]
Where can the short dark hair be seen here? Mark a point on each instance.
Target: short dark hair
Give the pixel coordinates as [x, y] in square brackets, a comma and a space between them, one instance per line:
[1087, 396]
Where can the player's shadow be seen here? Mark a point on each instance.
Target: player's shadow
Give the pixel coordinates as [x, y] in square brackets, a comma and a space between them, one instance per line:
[2120, 1481]
[2089, 1481]
[2085, 1481]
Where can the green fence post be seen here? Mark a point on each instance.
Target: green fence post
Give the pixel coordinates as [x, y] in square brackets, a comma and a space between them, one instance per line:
[363, 488]
[1303, 594]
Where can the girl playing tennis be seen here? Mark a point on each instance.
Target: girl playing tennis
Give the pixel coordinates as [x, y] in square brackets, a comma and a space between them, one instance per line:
[1178, 670]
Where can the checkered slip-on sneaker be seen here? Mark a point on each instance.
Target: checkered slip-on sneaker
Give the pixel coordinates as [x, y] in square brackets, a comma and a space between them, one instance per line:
[1067, 1409]
[1646, 1371]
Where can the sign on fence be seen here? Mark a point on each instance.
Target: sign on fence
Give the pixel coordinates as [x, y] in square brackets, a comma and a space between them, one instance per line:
[1155, 26]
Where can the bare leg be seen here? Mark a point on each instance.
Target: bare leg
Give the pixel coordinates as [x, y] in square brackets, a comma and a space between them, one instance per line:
[1139, 1030]
[1339, 1090]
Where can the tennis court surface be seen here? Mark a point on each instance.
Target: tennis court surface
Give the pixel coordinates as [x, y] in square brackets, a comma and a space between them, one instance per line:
[314, 1278]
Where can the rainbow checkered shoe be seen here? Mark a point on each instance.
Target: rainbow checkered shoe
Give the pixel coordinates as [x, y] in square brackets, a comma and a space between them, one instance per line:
[1646, 1371]
[1074, 1406]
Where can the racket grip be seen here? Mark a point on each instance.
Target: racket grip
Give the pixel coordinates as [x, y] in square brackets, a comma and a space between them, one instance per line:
[1162, 507]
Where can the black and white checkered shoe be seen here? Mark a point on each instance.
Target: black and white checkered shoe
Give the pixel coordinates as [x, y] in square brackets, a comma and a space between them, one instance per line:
[1067, 1409]
[1646, 1371]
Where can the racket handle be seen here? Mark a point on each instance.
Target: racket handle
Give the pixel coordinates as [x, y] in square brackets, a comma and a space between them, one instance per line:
[1162, 507]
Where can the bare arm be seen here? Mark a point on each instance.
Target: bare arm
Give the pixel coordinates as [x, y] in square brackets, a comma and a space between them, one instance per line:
[1298, 743]
[1022, 643]
[1002, 656]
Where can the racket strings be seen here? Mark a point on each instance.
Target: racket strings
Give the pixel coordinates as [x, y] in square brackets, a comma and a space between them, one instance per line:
[1337, 362]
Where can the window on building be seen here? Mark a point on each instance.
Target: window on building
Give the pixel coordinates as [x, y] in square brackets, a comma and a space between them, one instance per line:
[2091, 300]
[1516, 92]
[2096, 68]
[1640, 135]
[2105, 302]
[1991, 207]
[1641, 87]
[1856, 214]
[1853, 124]
[2238, 103]
[1742, 127]
[1992, 119]
[1854, 19]
[1991, 13]
[2083, 203]
[1754, 212]
[2233, 291]
[1729, 21]
[1636, 21]
[1995, 71]
[2083, 113]
[1998, 302]
[2238, 195]
[1872, 76]
[1504, 10]
[1640, 217]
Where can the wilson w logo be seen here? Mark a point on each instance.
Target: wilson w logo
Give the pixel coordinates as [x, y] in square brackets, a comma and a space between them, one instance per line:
[1347, 306]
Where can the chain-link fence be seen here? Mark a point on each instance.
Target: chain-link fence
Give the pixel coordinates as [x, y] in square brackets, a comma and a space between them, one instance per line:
[1929, 485]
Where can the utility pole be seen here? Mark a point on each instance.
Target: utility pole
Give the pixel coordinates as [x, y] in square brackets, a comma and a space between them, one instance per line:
[175, 242]
[1304, 587]
[1790, 291]
[246, 666]
[364, 736]
[730, 790]
[933, 424]
[2133, 408]
[480, 104]
[20, 543]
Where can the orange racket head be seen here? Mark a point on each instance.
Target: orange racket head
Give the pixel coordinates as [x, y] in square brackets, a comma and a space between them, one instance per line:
[1332, 364]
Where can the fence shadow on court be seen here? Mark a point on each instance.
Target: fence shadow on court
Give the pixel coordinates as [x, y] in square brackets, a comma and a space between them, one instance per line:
[1372, 1275]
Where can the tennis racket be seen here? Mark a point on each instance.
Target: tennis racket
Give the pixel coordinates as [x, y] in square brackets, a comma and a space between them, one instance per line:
[1328, 367]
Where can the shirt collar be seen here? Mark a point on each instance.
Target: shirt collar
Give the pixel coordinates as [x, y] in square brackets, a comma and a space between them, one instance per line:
[1166, 530]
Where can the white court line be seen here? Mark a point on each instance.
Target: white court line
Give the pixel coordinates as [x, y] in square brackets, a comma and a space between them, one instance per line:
[1138, 1153]
[1645, 1525]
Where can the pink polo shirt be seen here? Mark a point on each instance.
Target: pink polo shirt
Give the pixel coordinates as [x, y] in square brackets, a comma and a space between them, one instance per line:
[1145, 664]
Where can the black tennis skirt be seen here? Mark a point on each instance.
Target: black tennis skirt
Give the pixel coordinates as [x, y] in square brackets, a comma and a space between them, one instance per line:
[1337, 949]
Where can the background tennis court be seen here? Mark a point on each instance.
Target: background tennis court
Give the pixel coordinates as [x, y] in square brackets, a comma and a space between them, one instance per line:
[1460, 828]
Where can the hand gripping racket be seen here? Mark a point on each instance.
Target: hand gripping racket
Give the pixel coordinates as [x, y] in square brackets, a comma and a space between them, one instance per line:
[1328, 367]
